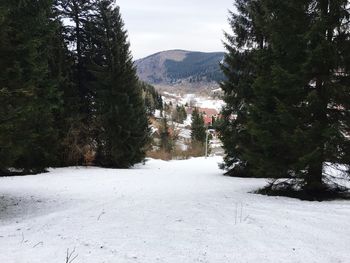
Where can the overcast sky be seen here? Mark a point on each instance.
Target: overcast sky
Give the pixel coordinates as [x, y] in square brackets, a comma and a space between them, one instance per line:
[158, 25]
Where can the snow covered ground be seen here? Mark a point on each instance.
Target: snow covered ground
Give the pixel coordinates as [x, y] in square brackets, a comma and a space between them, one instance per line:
[179, 211]
[193, 99]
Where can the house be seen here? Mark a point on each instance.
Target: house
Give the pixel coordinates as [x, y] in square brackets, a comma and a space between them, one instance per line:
[208, 121]
[209, 112]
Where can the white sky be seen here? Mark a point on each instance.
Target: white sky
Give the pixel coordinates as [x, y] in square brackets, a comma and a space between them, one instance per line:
[158, 25]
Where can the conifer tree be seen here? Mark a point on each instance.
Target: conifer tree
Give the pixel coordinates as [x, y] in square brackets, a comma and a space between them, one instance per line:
[198, 130]
[153, 100]
[240, 70]
[28, 94]
[78, 34]
[179, 114]
[287, 90]
[166, 142]
[122, 124]
[78, 96]
[61, 68]
[325, 133]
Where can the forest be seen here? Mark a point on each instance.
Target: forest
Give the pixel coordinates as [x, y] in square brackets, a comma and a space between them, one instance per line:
[68, 86]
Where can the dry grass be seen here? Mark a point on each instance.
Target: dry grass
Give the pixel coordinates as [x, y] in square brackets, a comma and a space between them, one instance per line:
[196, 150]
[159, 155]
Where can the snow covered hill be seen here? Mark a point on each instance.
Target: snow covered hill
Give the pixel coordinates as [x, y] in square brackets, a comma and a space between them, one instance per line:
[171, 212]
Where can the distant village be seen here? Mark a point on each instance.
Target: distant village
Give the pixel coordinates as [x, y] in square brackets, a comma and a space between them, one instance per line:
[180, 130]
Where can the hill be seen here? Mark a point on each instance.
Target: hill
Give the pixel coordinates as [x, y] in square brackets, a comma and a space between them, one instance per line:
[175, 67]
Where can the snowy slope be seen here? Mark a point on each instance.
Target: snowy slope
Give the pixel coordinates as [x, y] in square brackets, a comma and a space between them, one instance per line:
[180, 211]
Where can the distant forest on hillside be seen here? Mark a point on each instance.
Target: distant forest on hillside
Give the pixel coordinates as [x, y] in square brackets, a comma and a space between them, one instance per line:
[197, 67]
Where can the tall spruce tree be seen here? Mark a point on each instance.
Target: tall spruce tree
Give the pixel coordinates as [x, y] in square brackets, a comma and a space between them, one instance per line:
[78, 95]
[122, 124]
[78, 33]
[327, 75]
[61, 68]
[28, 94]
[179, 114]
[166, 140]
[287, 90]
[198, 130]
[278, 88]
[240, 69]
[153, 100]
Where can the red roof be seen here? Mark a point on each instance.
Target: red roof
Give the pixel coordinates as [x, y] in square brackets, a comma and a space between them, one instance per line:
[207, 120]
[209, 112]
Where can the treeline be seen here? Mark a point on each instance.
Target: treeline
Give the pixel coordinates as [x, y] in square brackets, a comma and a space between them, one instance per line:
[69, 94]
[171, 145]
[288, 92]
[153, 100]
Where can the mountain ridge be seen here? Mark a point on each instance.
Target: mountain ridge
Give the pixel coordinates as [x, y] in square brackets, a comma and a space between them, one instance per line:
[177, 66]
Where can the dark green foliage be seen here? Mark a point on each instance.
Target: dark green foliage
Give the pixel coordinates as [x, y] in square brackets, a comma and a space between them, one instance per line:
[153, 100]
[78, 94]
[121, 121]
[61, 68]
[179, 114]
[28, 92]
[78, 35]
[287, 90]
[68, 91]
[197, 65]
[167, 108]
[198, 129]
[327, 71]
[166, 142]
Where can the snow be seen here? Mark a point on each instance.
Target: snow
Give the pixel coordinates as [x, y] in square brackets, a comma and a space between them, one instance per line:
[217, 90]
[210, 104]
[179, 211]
[203, 102]
[185, 133]
[188, 120]
[157, 114]
[193, 99]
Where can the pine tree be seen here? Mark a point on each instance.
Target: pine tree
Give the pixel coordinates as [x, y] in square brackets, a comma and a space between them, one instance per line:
[78, 34]
[240, 69]
[278, 88]
[78, 96]
[182, 114]
[29, 95]
[166, 142]
[287, 90]
[153, 100]
[61, 64]
[122, 124]
[327, 73]
[179, 114]
[198, 130]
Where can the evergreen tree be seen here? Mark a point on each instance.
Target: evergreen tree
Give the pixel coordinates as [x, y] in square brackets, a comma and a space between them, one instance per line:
[287, 90]
[61, 64]
[78, 34]
[277, 88]
[166, 142]
[28, 94]
[179, 114]
[198, 129]
[240, 70]
[78, 95]
[153, 100]
[122, 124]
[325, 130]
